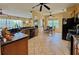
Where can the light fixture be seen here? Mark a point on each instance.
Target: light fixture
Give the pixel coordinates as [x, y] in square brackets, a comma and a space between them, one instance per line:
[50, 16]
[27, 22]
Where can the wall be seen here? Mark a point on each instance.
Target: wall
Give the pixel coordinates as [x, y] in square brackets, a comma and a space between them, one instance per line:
[68, 14]
[73, 10]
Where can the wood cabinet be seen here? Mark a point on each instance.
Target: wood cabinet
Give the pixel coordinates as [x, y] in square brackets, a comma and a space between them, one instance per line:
[16, 47]
[32, 32]
[75, 45]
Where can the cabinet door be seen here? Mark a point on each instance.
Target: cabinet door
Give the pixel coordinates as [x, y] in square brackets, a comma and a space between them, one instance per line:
[19, 47]
[22, 47]
[9, 49]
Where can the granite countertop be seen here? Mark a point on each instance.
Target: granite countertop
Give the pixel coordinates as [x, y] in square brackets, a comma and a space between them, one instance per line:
[76, 39]
[16, 37]
[76, 36]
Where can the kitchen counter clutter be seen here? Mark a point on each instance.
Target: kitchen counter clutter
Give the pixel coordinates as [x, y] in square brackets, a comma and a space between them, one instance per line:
[75, 44]
[16, 37]
[17, 46]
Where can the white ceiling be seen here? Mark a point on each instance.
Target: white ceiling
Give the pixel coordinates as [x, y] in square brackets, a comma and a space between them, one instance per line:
[27, 7]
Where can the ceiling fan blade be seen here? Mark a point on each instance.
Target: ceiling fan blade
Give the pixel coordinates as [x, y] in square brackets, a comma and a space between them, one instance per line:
[35, 6]
[41, 8]
[44, 3]
[47, 7]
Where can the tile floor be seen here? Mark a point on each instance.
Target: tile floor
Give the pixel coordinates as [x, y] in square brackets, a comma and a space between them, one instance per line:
[48, 44]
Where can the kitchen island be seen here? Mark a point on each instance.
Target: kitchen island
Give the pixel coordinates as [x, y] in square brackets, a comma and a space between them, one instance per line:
[18, 45]
[75, 45]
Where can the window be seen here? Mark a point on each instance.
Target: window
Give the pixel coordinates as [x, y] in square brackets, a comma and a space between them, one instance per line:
[56, 23]
[10, 23]
[53, 23]
[36, 22]
[50, 23]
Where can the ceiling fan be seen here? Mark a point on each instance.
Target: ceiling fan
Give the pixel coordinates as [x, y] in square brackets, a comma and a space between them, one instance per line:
[41, 5]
